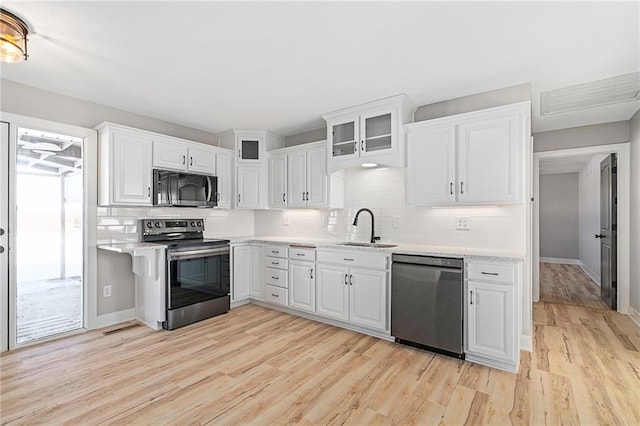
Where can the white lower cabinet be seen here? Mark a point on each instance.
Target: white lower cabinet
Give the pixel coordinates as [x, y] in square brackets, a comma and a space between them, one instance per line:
[492, 325]
[332, 291]
[368, 298]
[247, 272]
[302, 285]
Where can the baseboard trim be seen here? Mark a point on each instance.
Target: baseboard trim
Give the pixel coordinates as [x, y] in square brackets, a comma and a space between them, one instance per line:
[635, 316]
[559, 260]
[594, 277]
[526, 343]
[114, 318]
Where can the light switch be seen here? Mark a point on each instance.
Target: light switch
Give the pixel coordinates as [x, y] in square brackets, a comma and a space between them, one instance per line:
[462, 223]
[285, 220]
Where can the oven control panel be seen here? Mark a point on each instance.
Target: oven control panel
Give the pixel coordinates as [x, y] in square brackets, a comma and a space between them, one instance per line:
[169, 226]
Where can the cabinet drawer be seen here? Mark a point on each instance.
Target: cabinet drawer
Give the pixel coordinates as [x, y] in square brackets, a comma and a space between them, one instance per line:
[354, 258]
[296, 253]
[276, 262]
[277, 295]
[275, 250]
[496, 272]
[277, 277]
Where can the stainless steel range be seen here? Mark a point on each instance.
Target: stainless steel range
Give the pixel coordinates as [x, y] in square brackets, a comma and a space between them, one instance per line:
[197, 270]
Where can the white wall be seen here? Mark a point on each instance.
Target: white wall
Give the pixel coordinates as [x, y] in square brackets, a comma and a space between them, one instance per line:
[589, 217]
[559, 216]
[635, 215]
[383, 192]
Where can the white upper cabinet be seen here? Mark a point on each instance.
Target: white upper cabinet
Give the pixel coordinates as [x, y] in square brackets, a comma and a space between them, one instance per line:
[316, 177]
[174, 154]
[224, 172]
[278, 181]
[125, 166]
[249, 187]
[251, 146]
[370, 132]
[472, 159]
[297, 179]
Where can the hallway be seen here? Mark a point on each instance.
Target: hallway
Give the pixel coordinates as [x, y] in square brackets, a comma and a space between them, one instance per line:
[568, 285]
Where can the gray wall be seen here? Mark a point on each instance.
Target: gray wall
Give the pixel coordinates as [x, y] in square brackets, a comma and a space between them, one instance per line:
[306, 137]
[32, 102]
[493, 98]
[559, 216]
[635, 212]
[576, 137]
[116, 272]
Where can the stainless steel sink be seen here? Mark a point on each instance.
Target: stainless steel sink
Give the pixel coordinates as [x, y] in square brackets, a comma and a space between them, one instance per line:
[373, 245]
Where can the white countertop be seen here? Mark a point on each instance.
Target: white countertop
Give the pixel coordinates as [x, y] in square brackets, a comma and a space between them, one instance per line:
[131, 247]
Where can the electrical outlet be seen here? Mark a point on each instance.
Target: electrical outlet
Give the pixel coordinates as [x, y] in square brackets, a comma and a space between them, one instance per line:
[285, 220]
[462, 223]
[106, 291]
[396, 221]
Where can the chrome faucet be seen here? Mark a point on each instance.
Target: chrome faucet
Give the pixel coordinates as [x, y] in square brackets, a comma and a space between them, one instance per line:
[355, 223]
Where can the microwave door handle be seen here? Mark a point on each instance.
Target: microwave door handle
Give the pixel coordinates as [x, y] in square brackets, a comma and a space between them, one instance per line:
[209, 189]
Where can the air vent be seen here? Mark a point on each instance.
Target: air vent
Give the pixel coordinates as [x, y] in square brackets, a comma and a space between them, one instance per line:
[613, 90]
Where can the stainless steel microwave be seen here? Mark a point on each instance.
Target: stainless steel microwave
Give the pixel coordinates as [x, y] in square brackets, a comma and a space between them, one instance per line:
[180, 189]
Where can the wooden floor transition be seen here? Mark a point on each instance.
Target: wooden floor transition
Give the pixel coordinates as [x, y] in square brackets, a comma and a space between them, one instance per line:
[259, 366]
[569, 285]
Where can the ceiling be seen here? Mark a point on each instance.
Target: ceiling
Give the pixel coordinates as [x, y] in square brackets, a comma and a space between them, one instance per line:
[278, 66]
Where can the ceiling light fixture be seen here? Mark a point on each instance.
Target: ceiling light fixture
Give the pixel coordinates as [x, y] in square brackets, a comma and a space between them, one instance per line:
[369, 165]
[13, 37]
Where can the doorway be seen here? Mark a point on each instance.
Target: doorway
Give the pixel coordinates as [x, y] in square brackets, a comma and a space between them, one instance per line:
[576, 267]
[48, 246]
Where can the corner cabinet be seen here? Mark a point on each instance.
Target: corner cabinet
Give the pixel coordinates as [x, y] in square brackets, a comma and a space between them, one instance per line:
[370, 132]
[124, 166]
[247, 271]
[492, 325]
[469, 159]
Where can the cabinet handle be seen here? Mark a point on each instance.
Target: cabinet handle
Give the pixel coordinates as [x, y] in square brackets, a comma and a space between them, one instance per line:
[239, 154]
[350, 279]
[451, 188]
[238, 198]
[303, 196]
[299, 254]
[307, 196]
[275, 295]
[349, 260]
[191, 162]
[275, 278]
[461, 188]
[148, 191]
[184, 160]
[275, 251]
[471, 297]
[362, 145]
[355, 146]
[311, 273]
[283, 198]
[274, 263]
[346, 277]
[490, 273]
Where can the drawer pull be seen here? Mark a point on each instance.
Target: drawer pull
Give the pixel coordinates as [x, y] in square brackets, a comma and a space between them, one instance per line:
[300, 254]
[490, 273]
[275, 295]
[274, 263]
[275, 278]
[350, 260]
[275, 251]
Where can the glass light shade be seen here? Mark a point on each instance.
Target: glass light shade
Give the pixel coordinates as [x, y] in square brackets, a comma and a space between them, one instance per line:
[369, 165]
[13, 38]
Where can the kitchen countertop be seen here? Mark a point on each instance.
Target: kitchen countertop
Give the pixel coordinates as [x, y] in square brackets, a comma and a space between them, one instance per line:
[131, 247]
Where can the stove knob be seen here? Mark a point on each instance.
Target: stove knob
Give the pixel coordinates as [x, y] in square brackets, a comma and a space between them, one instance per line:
[149, 225]
[157, 224]
[199, 223]
[193, 224]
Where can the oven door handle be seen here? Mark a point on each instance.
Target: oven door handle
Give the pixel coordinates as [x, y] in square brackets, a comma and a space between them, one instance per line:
[195, 254]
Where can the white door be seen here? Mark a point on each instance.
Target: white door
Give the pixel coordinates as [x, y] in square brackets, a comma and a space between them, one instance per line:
[249, 187]
[4, 235]
[168, 154]
[430, 173]
[131, 169]
[302, 286]
[256, 286]
[487, 160]
[278, 181]
[202, 159]
[368, 298]
[332, 291]
[297, 179]
[491, 321]
[317, 178]
[242, 272]
[224, 164]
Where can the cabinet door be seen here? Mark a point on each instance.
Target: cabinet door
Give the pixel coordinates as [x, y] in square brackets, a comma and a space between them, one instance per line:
[302, 285]
[376, 134]
[430, 173]
[344, 138]
[249, 187]
[249, 148]
[368, 298]
[491, 320]
[278, 181]
[131, 169]
[297, 179]
[202, 160]
[332, 292]
[168, 154]
[317, 178]
[242, 272]
[224, 164]
[256, 283]
[488, 153]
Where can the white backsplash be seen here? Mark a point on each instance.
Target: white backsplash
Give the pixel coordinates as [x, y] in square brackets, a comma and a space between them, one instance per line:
[382, 190]
[119, 225]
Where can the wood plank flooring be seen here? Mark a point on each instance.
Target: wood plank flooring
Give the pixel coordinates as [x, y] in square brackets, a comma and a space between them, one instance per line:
[259, 366]
[569, 285]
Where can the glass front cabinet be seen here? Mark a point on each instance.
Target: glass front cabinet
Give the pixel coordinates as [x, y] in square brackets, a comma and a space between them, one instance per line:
[370, 132]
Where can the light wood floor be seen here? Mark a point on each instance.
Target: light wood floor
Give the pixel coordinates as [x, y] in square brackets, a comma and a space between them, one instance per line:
[569, 285]
[260, 366]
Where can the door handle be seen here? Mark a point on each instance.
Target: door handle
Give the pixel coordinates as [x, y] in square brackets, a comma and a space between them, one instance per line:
[148, 191]
[283, 198]
[461, 188]
[346, 278]
[471, 297]
[191, 162]
[362, 145]
[184, 160]
[451, 188]
[311, 276]
[350, 279]
[600, 236]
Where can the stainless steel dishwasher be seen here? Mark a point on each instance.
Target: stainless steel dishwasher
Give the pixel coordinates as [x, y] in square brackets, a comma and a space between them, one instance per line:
[426, 303]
